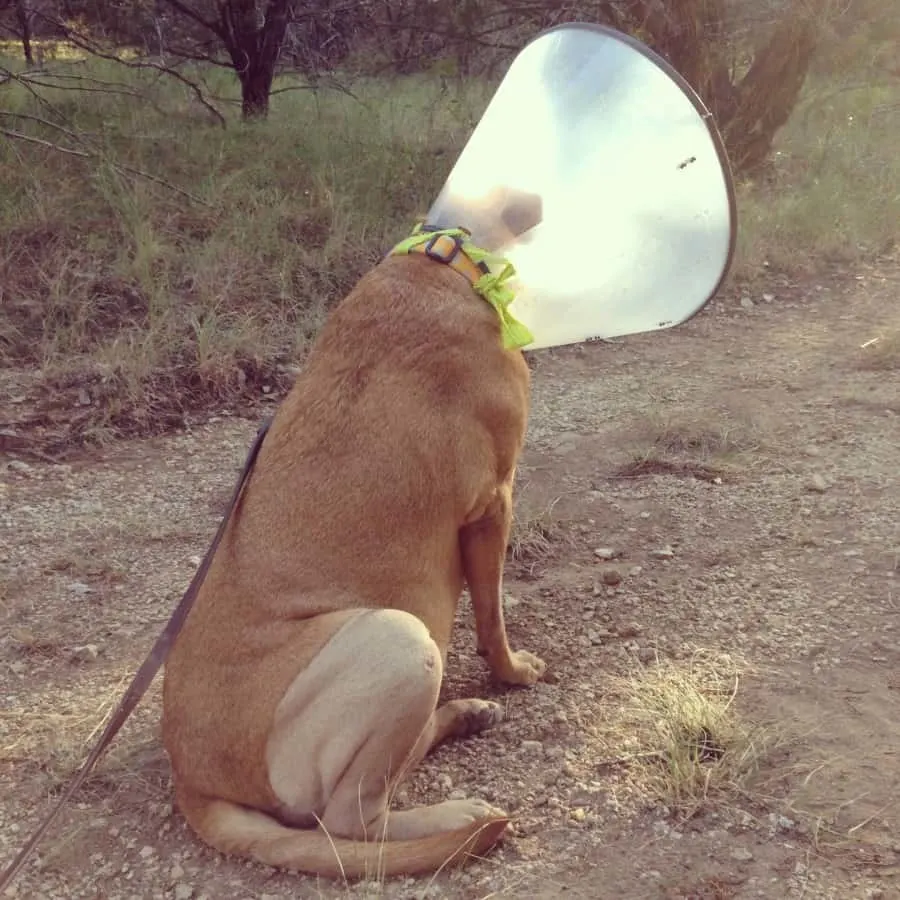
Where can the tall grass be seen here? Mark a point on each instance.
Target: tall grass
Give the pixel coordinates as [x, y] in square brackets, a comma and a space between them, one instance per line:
[832, 193]
[158, 295]
[181, 264]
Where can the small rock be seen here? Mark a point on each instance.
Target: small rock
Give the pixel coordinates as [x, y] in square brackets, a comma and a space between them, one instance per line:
[605, 553]
[741, 854]
[817, 484]
[456, 794]
[183, 891]
[444, 782]
[176, 873]
[88, 653]
[80, 588]
[663, 552]
[578, 814]
[611, 576]
[768, 297]
[147, 852]
[632, 629]
[747, 303]
[532, 746]
[781, 823]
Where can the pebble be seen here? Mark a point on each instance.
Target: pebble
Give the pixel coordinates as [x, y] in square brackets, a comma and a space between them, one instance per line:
[532, 746]
[663, 552]
[88, 653]
[632, 629]
[741, 854]
[747, 303]
[611, 577]
[176, 873]
[183, 891]
[817, 484]
[80, 588]
[605, 553]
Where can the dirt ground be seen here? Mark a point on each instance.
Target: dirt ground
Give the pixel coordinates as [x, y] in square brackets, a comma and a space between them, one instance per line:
[764, 523]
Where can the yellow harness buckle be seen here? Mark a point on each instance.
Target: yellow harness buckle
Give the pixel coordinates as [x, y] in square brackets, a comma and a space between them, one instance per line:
[449, 249]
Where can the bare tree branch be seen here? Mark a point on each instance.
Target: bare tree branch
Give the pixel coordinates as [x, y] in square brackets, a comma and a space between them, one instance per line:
[94, 50]
[49, 144]
[89, 152]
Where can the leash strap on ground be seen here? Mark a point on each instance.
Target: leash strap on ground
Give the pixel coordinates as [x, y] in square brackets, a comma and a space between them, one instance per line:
[145, 674]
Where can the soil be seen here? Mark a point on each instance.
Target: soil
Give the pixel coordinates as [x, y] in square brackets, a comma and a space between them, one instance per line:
[743, 470]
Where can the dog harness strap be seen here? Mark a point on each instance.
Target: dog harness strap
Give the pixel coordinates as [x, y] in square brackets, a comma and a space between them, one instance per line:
[145, 674]
[488, 273]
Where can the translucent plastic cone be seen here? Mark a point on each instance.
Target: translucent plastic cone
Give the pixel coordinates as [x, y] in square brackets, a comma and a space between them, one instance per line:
[598, 172]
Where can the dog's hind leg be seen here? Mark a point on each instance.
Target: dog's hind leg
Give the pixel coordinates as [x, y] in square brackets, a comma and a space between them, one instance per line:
[356, 720]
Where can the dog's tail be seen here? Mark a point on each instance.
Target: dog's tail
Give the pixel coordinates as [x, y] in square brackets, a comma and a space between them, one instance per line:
[241, 831]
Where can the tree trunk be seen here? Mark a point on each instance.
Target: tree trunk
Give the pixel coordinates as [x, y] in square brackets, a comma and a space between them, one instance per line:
[692, 35]
[769, 91]
[254, 43]
[256, 83]
[23, 14]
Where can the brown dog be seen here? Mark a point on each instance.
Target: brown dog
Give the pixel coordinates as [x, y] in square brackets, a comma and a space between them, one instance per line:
[304, 685]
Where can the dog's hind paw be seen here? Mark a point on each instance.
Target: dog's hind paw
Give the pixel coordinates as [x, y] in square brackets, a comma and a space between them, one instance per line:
[472, 716]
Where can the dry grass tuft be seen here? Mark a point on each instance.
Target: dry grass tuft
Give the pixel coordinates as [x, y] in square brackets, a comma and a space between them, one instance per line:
[674, 728]
[50, 738]
[700, 443]
[534, 539]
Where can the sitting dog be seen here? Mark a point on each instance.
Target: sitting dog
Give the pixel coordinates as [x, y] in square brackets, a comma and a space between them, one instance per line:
[304, 684]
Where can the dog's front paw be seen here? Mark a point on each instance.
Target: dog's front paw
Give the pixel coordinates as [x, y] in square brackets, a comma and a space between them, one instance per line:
[523, 668]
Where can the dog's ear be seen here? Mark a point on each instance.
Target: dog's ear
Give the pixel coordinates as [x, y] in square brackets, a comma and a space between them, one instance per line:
[522, 212]
[501, 215]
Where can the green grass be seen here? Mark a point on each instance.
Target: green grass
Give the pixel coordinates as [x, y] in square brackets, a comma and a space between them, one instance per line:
[157, 302]
[832, 194]
[181, 265]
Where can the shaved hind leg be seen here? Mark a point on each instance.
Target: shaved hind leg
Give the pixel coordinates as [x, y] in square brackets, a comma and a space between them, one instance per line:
[356, 721]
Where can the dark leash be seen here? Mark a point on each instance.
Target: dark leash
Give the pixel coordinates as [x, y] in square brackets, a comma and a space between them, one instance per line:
[145, 674]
